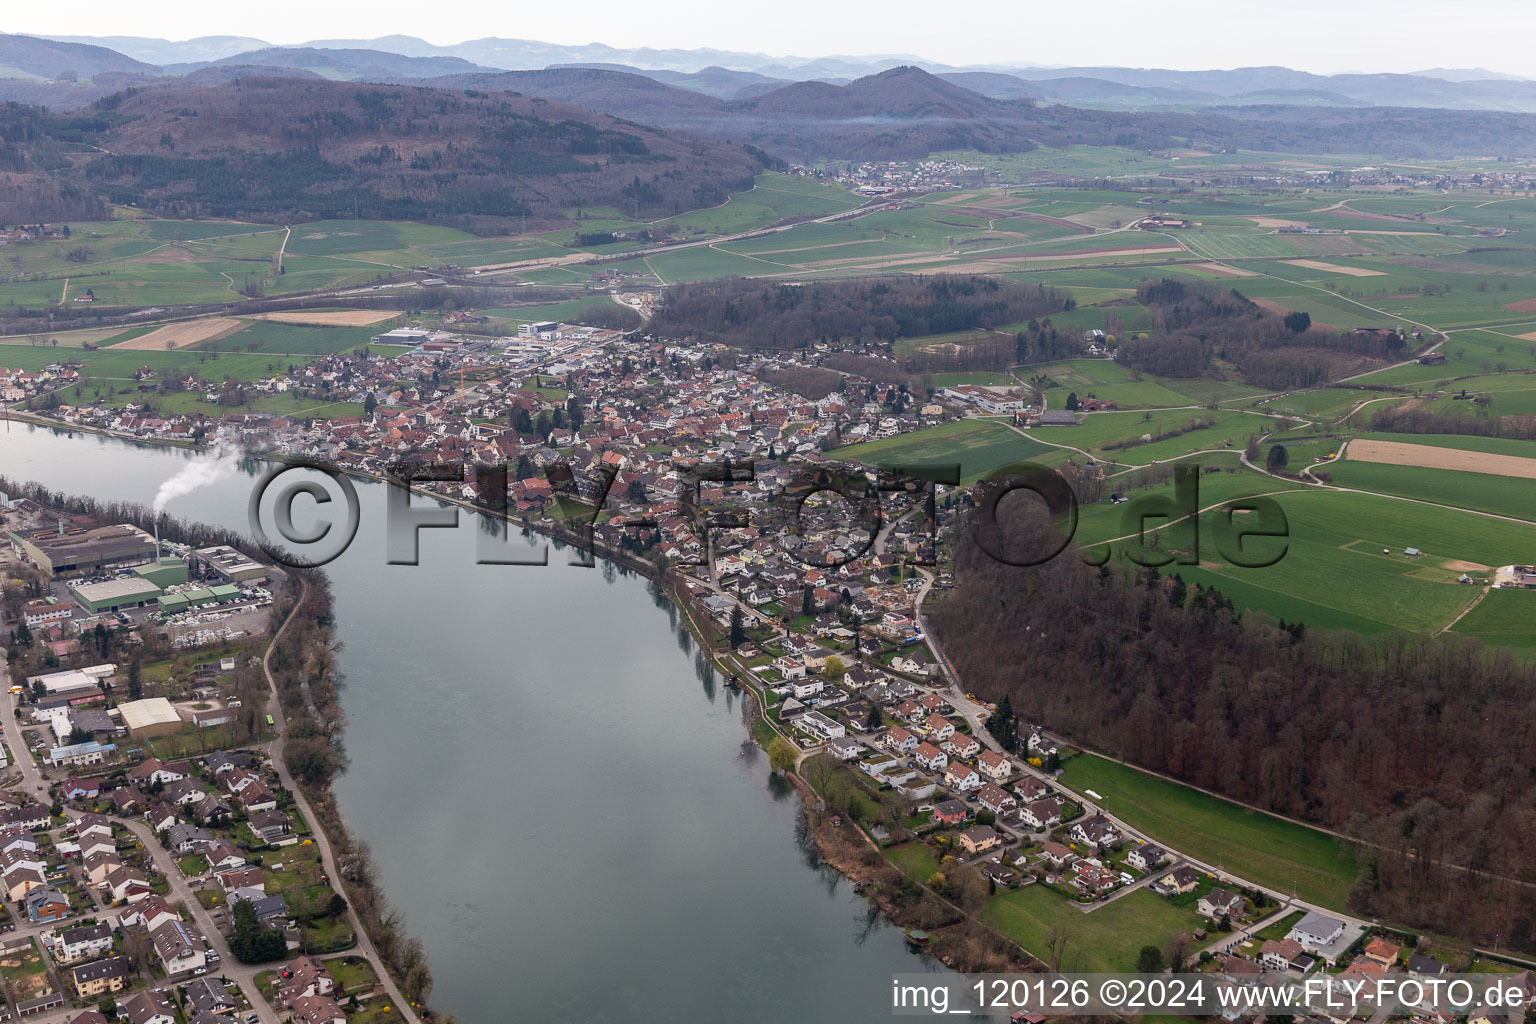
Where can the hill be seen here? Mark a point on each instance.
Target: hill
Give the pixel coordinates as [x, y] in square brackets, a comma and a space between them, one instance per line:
[283, 148]
[48, 59]
[345, 64]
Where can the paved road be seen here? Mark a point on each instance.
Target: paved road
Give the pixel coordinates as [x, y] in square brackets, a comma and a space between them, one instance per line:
[365, 947]
[33, 781]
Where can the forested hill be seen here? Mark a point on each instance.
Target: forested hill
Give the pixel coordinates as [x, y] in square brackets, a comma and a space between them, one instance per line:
[1424, 748]
[284, 148]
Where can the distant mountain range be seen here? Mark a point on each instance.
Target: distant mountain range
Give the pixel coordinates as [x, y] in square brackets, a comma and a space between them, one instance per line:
[736, 75]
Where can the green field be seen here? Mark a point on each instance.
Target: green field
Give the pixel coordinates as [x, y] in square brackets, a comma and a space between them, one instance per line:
[1501, 495]
[1505, 617]
[1107, 939]
[979, 446]
[1258, 847]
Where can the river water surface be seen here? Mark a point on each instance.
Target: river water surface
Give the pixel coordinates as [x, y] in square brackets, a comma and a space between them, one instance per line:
[559, 799]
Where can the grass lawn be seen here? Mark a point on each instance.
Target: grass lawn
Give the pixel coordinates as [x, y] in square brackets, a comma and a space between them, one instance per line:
[1254, 845]
[352, 974]
[1281, 928]
[915, 860]
[1107, 939]
[979, 446]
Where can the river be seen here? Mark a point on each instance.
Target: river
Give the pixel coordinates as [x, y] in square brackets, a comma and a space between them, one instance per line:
[560, 799]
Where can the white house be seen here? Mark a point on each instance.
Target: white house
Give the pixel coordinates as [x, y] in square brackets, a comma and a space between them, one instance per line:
[1316, 931]
[818, 724]
[806, 686]
[1041, 813]
[931, 757]
[961, 777]
[900, 740]
[1146, 857]
[86, 941]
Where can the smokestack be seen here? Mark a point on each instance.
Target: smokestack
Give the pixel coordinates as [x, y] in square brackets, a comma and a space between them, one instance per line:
[157, 541]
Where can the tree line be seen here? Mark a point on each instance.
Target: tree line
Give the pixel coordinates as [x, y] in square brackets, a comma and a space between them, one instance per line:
[1421, 747]
[755, 314]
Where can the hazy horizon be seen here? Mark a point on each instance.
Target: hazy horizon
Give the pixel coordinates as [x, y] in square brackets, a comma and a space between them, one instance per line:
[1367, 36]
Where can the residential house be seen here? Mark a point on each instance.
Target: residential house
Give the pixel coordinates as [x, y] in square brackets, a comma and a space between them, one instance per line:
[1180, 881]
[187, 839]
[1280, 954]
[46, 903]
[149, 1007]
[1056, 855]
[1094, 831]
[1093, 878]
[84, 942]
[153, 770]
[1383, 952]
[939, 728]
[961, 745]
[979, 839]
[179, 947]
[996, 799]
[961, 777]
[1427, 966]
[1146, 856]
[150, 914]
[950, 812]
[1317, 931]
[1041, 814]
[222, 856]
[930, 757]
[1029, 789]
[994, 766]
[76, 788]
[900, 740]
[305, 976]
[1219, 903]
[845, 748]
[184, 793]
[317, 1010]
[210, 996]
[94, 980]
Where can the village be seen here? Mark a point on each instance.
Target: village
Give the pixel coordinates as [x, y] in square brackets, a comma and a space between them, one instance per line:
[678, 458]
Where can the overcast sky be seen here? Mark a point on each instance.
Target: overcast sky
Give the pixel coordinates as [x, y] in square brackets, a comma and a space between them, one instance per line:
[1324, 36]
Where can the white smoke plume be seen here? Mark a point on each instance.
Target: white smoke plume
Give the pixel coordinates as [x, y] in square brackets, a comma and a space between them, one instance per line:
[219, 463]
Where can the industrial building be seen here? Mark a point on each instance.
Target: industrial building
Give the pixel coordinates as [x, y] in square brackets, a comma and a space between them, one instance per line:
[196, 597]
[62, 551]
[230, 564]
[167, 572]
[114, 595]
[152, 716]
[74, 679]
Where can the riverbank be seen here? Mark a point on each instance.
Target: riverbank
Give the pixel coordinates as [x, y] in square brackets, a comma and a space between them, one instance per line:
[300, 619]
[958, 941]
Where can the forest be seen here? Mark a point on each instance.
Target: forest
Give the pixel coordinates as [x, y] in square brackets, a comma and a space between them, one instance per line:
[1422, 748]
[754, 314]
[1199, 324]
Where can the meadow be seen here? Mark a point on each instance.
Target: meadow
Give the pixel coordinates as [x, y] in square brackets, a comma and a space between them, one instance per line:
[1280, 854]
[1107, 939]
[978, 446]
